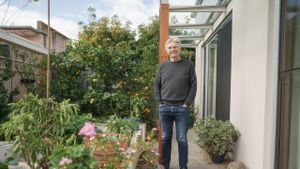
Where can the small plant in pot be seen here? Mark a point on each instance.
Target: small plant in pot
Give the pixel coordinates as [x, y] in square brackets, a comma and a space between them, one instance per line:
[107, 148]
[216, 137]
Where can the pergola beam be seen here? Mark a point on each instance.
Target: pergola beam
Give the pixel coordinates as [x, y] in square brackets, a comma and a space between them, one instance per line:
[198, 8]
[192, 45]
[188, 37]
[192, 26]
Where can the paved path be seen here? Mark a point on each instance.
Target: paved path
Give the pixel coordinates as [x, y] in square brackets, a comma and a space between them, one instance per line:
[4, 149]
[198, 159]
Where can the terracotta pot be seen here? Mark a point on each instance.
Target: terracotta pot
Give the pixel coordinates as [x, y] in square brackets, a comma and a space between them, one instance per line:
[108, 148]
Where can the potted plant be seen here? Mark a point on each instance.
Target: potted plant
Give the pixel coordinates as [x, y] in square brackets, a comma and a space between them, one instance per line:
[107, 148]
[216, 137]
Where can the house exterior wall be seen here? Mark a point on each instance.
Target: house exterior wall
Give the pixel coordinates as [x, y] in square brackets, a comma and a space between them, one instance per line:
[58, 40]
[248, 83]
[38, 39]
[58, 44]
[254, 72]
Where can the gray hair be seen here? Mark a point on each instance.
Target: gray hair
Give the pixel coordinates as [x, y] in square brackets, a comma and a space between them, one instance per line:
[175, 40]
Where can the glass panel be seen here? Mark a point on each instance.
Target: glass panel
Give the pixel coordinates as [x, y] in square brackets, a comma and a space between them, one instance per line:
[292, 35]
[211, 74]
[292, 62]
[289, 141]
[202, 17]
[294, 141]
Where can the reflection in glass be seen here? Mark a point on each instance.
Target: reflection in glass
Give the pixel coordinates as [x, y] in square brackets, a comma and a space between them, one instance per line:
[294, 150]
[292, 35]
[290, 108]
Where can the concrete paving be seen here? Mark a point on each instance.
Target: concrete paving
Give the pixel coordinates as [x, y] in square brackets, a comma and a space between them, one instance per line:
[198, 159]
[4, 151]
[4, 147]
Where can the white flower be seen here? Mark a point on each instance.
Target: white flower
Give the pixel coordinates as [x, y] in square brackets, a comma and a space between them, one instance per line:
[65, 161]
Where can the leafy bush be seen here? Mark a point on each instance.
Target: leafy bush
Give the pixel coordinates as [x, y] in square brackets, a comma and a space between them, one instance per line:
[75, 125]
[216, 136]
[124, 126]
[37, 126]
[107, 71]
[72, 157]
[3, 165]
[5, 75]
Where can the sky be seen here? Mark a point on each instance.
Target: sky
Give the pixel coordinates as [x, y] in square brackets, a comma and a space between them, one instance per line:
[66, 14]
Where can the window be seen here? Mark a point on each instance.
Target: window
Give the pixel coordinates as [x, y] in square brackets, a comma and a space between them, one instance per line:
[288, 151]
[218, 73]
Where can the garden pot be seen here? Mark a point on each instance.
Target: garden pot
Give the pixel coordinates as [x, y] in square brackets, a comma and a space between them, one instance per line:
[105, 151]
[218, 158]
[104, 154]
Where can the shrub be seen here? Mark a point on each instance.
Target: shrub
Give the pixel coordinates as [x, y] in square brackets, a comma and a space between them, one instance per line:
[72, 157]
[37, 126]
[125, 126]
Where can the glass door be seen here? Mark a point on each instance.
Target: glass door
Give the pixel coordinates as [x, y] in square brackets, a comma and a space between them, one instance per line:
[288, 152]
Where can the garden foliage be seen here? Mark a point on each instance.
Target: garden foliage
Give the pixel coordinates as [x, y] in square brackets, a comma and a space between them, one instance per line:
[5, 75]
[36, 126]
[73, 157]
[110, 69]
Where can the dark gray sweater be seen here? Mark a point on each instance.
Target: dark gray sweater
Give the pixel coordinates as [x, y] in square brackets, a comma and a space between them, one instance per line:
[175, 83]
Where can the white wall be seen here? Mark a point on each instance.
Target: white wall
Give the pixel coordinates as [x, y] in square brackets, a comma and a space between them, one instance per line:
[254, 79]
[38, 39]
[248, 83]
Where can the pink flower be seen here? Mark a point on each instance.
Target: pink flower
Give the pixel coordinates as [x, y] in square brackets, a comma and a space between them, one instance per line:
[65, 161]
[88, 130]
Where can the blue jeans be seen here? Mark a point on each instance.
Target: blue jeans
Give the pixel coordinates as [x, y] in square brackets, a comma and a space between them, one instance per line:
[178, 114]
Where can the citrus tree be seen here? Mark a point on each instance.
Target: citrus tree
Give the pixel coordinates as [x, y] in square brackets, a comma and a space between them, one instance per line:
[143, 101]
[110, 69]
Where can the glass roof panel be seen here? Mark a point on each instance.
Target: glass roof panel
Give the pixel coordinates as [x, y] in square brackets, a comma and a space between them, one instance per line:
[180, 18]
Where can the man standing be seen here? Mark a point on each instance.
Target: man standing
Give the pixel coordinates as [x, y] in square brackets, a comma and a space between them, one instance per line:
[175, 89]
